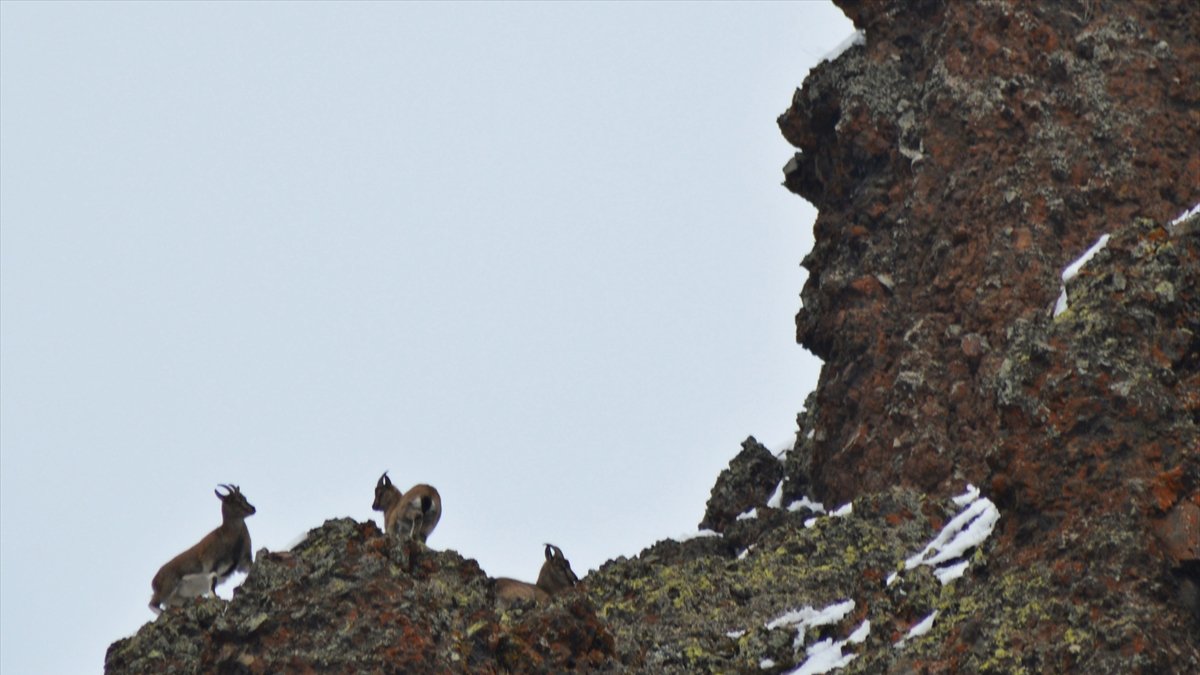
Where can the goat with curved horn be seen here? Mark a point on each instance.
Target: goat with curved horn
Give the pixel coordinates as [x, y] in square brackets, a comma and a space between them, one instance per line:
[555, 577]
[198, 570]
[411, 514]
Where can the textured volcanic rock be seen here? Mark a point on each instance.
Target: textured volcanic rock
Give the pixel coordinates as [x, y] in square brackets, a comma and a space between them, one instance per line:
[709, 604]
[960, 159]
[747, 483]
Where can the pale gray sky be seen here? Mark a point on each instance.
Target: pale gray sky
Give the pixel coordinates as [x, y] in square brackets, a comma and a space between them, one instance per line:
[537, 255]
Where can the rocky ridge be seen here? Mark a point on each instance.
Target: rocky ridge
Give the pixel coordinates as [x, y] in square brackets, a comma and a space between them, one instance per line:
[960, 159]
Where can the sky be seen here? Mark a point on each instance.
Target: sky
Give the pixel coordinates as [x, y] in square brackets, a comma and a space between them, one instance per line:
[536, 255]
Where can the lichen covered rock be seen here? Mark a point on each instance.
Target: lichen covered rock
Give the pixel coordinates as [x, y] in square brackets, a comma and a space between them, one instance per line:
[349, 599]
[961, 158]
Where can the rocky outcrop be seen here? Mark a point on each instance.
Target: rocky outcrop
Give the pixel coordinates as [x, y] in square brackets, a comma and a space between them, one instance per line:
[960, 159]
[748, 482]
[349, 599]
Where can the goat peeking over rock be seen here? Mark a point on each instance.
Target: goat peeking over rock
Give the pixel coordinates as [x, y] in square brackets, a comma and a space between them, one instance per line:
[198, 570]
[556, 576]
[411, 514]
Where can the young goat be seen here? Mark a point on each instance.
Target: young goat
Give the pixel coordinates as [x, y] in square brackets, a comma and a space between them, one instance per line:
[556, 576]
[411, 514]
[198, 570]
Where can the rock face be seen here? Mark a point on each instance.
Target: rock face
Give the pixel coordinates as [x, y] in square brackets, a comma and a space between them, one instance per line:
[960, 158]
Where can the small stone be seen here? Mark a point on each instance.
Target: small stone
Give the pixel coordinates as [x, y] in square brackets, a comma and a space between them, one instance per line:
[1180, 532]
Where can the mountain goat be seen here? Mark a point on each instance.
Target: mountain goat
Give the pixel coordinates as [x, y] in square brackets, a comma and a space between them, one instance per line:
[556, 576]
[411, 514]
[198, 570]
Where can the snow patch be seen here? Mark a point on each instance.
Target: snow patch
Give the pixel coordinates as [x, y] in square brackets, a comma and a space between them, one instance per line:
[776, 499]
[920, 628]
[827, 654]
[806, 617]
[857, 38]
[1069, 273]
[967, 530]
[698, 534]
[749, 515]
[806, 503]
[967, 497]
[840, 512]
[1186, 214]
[950, 572]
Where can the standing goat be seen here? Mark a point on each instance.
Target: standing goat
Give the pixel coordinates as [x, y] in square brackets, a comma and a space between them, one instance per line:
[198, 570]
[411, 514]
[556, 576]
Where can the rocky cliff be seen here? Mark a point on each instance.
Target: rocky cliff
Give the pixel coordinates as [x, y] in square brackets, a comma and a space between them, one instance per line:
[961, 157]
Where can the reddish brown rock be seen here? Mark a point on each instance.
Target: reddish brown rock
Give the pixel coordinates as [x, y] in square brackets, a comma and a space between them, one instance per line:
[970, 152]
[1180, 533]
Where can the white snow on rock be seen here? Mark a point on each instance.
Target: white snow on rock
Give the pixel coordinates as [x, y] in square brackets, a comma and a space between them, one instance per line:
[967, 530]
[950, 572]
[828, 654]
[806, 617]
[1186, 214]
[840, 512]
[699, 534]
[857, 38]
[749, 515]
[776, 499]
[920, 628]
[1069, 273]
[967, 497]
[806, 503]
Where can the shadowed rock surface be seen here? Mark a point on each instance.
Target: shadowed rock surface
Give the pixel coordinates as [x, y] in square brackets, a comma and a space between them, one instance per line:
[960, 159]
